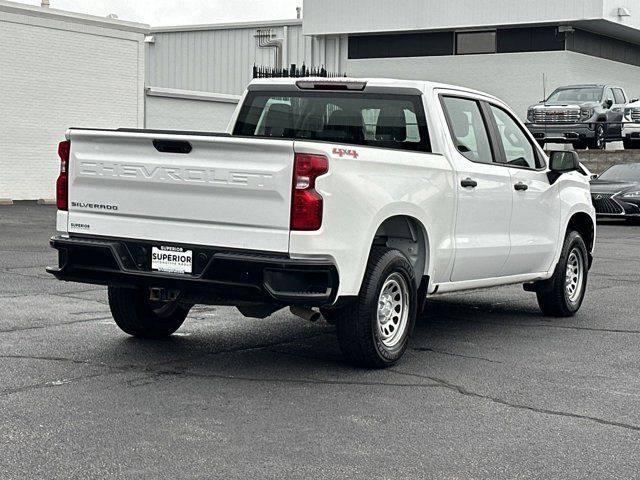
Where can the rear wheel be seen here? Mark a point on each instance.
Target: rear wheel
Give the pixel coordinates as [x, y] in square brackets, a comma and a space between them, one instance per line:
[140, 317]
[374, 331]
[629, 145]
[563, 293]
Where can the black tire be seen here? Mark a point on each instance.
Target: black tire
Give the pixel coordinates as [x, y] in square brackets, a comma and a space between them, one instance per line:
[331, 315]
[542, 143]
[360, 336]
[629, 145]
[580, 145]
[599, 141]
[555, 298]
[136, 315]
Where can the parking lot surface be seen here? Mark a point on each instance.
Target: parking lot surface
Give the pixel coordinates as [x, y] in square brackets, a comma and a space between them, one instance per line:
[489, 388]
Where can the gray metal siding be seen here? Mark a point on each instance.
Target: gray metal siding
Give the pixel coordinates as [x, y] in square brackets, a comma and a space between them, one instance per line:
[216, 60]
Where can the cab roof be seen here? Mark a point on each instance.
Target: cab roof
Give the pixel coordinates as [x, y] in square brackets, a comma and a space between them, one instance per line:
[423, 86]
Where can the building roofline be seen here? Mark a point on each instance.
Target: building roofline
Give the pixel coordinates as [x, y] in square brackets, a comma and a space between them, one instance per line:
[226, 26]
[55, 14]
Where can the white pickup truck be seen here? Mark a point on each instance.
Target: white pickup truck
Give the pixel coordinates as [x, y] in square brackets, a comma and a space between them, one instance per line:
[357, 197]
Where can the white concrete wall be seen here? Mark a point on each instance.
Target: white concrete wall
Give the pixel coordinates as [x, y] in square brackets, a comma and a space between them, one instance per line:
[166, 113]
[325, 17]
[56, 73]
[514, 77]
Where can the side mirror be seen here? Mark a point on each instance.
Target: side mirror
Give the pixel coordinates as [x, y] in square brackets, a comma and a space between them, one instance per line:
[562, 161]
[594, 176]
[634, 100]
[608, 103]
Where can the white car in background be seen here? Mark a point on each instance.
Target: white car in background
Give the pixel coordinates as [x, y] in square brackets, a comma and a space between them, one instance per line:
[631, 127]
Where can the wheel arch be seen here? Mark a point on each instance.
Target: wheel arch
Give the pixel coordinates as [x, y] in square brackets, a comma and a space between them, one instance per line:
[582, 223]
[408, 235]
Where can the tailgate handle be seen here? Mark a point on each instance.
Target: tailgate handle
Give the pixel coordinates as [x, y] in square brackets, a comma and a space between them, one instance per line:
[172, 146]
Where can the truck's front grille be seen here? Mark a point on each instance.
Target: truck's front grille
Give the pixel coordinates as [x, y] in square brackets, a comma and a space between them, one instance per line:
[605, 204]
[635, 114]
[556, 116]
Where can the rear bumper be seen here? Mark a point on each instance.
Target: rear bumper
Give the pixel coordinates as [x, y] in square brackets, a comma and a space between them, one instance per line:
[220, 276]
[562, 133]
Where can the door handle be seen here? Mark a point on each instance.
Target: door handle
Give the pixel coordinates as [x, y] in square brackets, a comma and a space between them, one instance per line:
[469, 183]
[521, 187]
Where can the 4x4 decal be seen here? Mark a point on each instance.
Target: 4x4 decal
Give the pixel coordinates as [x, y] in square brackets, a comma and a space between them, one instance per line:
[346, 152]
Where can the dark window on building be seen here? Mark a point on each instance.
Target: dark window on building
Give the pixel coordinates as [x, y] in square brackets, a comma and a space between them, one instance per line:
[535, 39]
[475, 42]
[502, 40]
[602, 46]
[430, 44]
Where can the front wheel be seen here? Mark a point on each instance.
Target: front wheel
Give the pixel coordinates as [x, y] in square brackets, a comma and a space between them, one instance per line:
[599, 141]
[374, 330]
[140, 317]
[564, 292]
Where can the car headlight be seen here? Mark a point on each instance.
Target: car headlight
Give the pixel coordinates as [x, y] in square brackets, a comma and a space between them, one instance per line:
[631, 195]
[627, 114]
[530, 114]
[586, 112]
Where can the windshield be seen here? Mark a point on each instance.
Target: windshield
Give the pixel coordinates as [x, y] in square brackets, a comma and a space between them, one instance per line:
[382, 120]
[589, 94]
[622, 173]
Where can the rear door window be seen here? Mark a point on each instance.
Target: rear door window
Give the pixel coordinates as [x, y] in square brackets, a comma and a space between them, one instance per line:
[379, 120]
[468, 129]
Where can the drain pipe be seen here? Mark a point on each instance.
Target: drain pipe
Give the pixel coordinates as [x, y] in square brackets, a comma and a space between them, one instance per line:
[266, 39]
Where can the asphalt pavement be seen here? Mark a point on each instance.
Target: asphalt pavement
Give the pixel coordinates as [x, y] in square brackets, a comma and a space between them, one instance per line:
[489, 389]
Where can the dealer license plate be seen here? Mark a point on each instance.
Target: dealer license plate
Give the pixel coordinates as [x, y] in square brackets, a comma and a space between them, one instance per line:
[171, 260]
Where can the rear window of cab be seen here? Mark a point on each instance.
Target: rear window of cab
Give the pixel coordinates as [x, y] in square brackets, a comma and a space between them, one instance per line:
[387, 121]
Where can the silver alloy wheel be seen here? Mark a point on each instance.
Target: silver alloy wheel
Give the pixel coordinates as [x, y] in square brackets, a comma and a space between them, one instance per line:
[600, 137]
[393, 310]
[574, 276]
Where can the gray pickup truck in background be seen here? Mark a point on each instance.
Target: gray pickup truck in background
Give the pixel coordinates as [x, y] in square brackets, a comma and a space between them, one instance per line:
[584, 115]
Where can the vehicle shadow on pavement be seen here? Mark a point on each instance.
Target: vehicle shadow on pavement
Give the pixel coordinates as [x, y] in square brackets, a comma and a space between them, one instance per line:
[291, 349]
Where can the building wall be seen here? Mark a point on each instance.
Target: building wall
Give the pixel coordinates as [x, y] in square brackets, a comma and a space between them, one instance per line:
[188, 114]
[516, 78]
[215, 59]
[56, 73]
[323, 17]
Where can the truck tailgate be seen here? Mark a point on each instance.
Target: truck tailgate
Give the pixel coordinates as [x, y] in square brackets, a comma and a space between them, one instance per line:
[181, 188]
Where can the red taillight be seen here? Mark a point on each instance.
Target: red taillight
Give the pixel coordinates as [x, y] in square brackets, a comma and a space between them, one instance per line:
[62, 185]
[306, 203]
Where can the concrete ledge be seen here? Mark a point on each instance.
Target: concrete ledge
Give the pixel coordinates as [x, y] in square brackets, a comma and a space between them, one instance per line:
[192, 95]
[599, 160]
[6, 201]
[46, 201]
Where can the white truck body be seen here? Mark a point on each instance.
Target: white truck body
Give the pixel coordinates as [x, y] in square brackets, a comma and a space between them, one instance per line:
[235, 193]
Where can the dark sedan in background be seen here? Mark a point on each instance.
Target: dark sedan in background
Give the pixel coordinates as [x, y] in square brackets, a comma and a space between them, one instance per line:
[616, 193]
